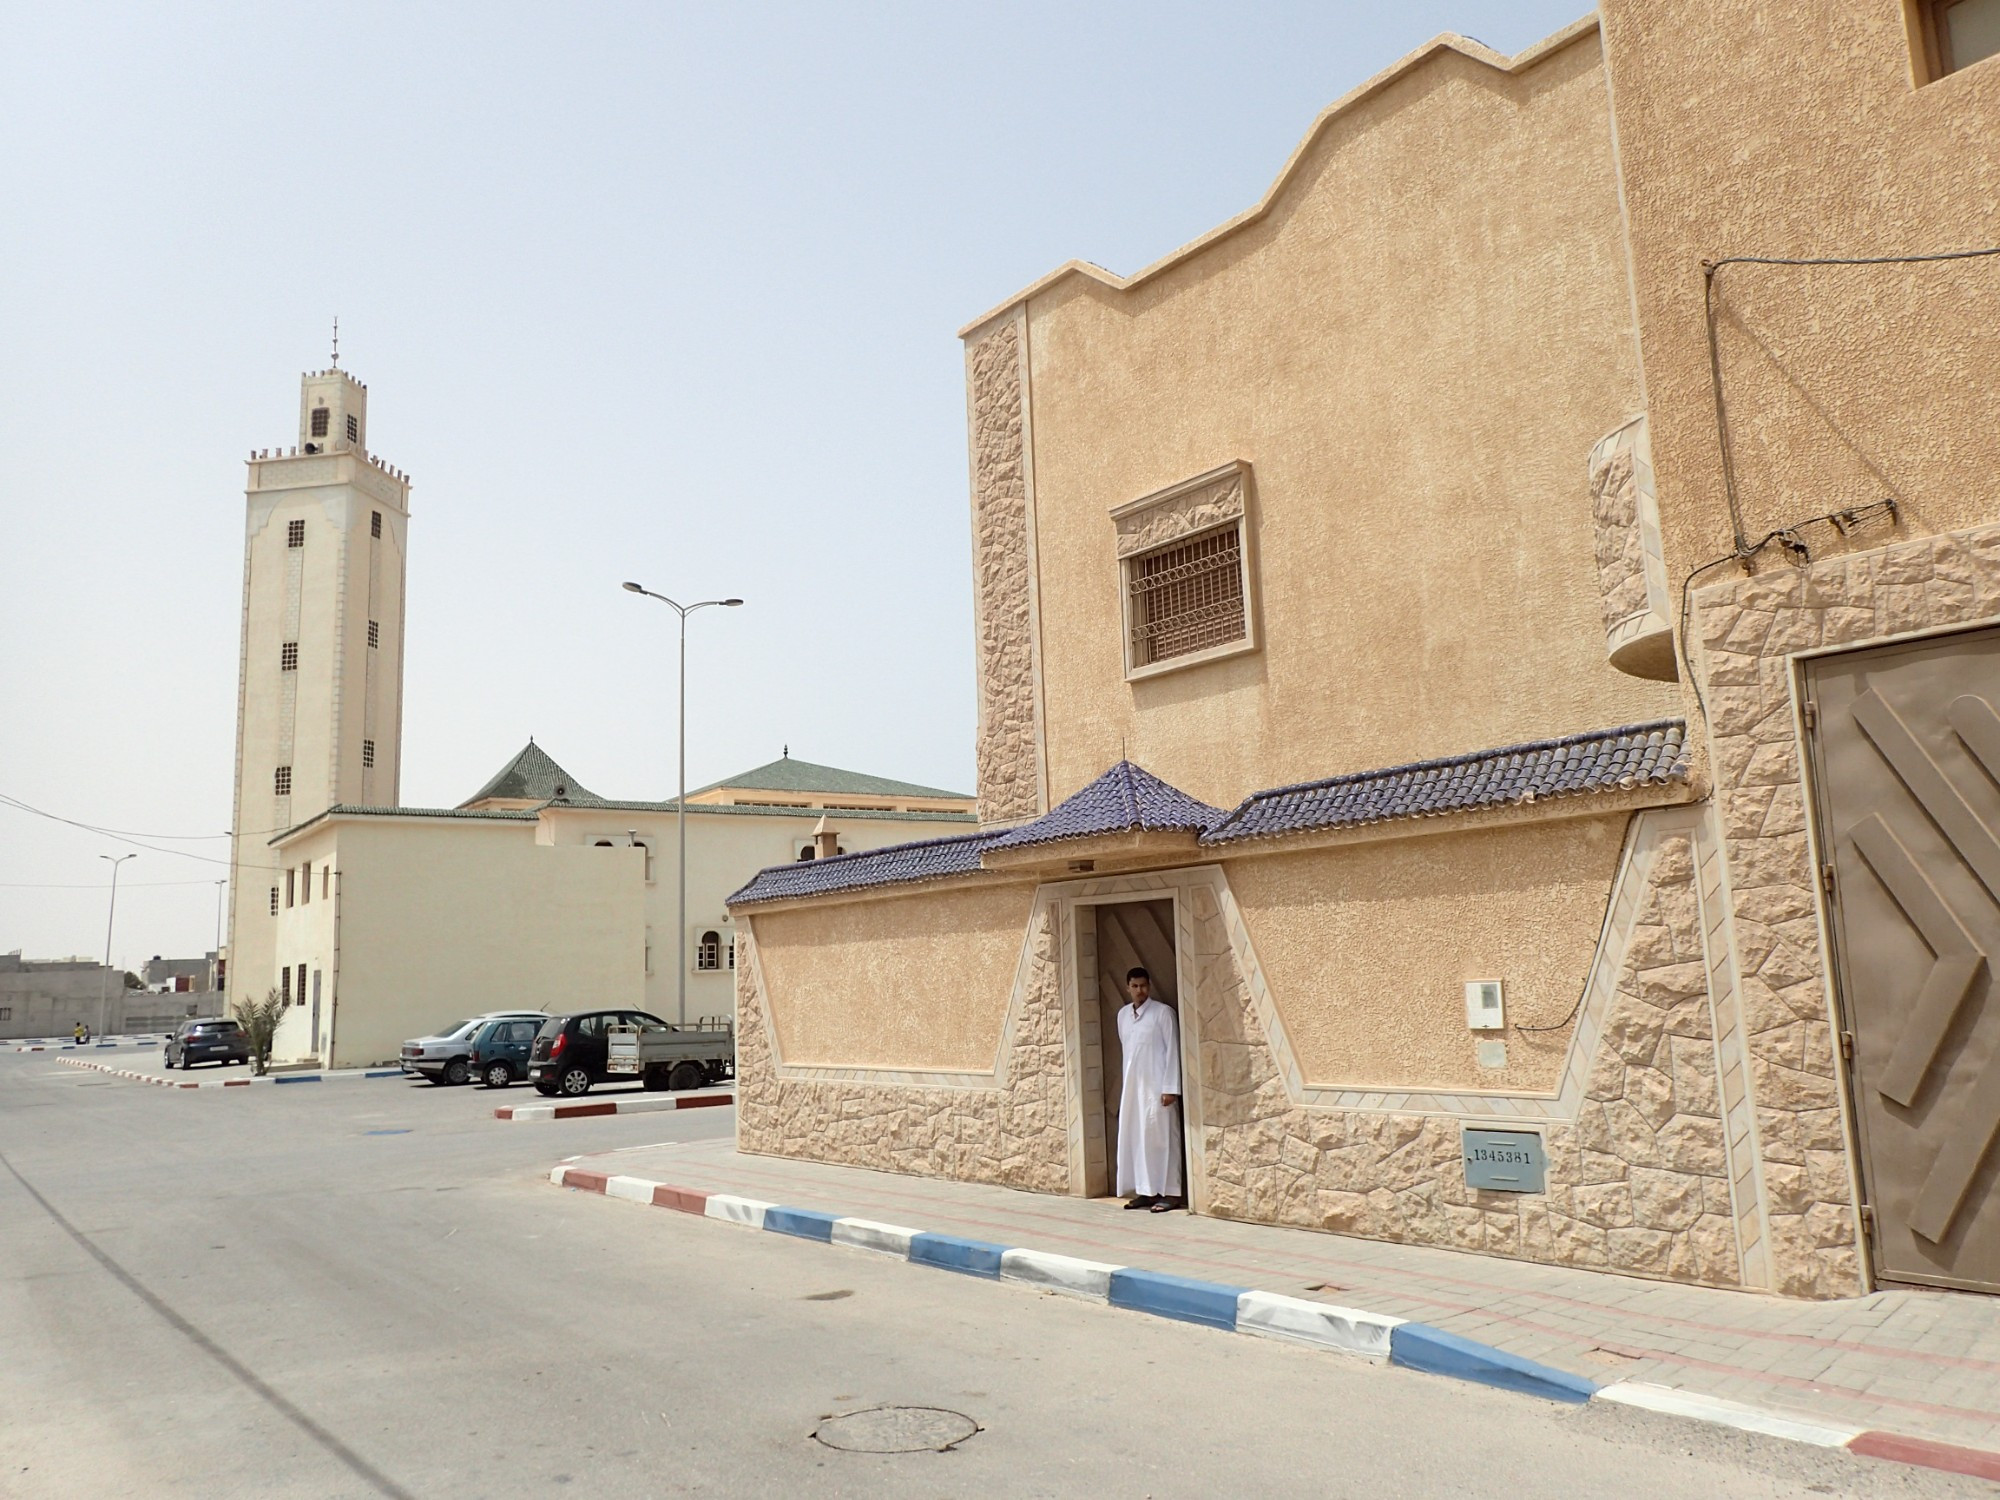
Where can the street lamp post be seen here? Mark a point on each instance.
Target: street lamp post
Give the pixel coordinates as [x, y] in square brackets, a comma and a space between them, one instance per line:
[680, 798]
[104, 990]
[215, 969]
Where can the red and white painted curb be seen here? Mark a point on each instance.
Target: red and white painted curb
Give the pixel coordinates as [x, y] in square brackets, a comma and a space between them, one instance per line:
[643, 1104]
[1298, 1321]
[227, 1083]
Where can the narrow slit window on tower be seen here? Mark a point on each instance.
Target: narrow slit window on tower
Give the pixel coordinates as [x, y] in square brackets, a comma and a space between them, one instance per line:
[281, 781]
[295, 534]
[353, 428]
[1185, 598]
[274, 900]
[375, 632]
[288, 657]
[285, 980]
[320, 417]
[291, 887]
[367, 755]
[375, 523]
[325, 880]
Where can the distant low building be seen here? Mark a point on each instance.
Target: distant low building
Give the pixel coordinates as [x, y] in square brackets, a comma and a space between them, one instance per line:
[180, 976]
[47, 997]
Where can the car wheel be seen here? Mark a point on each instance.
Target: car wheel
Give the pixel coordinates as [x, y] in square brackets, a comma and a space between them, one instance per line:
[498, 1075]
[186, 1062]
[456, 1072]
[685, 1075]
[655, 1079]
[575, 1082]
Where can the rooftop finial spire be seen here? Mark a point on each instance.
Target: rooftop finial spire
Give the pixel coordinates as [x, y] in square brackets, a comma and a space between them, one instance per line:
[336, 341]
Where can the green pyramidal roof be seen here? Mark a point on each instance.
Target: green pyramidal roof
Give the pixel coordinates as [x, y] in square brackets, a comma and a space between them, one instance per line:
[788, 775]
[531, 776]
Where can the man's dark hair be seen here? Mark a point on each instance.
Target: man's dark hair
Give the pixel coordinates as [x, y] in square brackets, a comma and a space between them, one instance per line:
[1132, 974]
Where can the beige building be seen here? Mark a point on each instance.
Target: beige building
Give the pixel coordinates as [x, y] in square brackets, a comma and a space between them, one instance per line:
[376, 922]
[1329, 588]
[538, 894]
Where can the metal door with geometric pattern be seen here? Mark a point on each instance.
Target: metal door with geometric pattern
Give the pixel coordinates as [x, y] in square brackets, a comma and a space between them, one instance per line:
[1905, 744]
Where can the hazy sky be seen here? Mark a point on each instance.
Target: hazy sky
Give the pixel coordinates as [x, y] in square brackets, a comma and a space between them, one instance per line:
[652, 291]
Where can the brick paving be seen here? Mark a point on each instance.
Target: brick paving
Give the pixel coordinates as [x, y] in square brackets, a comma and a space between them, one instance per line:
[1917, 1362]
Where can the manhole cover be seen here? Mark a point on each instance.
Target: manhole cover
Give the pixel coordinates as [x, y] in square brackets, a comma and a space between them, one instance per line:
[896, 1429]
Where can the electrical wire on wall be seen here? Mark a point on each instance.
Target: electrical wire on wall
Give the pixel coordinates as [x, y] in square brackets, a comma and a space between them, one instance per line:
[1790, 538]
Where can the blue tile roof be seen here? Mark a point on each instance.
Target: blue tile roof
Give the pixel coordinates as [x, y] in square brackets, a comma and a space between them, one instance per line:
[896, 864]
[1603, 760]
[1125, 799]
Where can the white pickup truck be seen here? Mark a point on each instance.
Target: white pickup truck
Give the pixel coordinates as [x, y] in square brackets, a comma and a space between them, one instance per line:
[674, 1057]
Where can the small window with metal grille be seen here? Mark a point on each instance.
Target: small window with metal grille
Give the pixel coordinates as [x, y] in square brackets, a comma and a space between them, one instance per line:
[281, 781]
[353, 428]
[708, 952]
[295, 534]
[320, 418]
[288, 657]
[1185, 598]
[368, 755]
[274, 900]
[375, 523]
[375, 632]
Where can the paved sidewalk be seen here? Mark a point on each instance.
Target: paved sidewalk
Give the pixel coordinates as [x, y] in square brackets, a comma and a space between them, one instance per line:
[1921, 1363]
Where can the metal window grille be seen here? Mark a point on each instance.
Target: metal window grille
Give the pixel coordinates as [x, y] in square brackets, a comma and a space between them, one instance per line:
[708, 952]
[274, 900]
[732, 950]
[375, 632]
[353, 428]
[375, 523]
[367, 755]
[285, 979]
[288, 657]
[319, 420]
[281, 782]
[295, 534]
[1187, 597]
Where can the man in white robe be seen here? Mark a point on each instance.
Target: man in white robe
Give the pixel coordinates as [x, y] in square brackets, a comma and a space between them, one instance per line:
[1149, 1124]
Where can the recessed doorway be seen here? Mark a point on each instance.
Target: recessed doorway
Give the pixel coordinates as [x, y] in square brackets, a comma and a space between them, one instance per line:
[1122, 936]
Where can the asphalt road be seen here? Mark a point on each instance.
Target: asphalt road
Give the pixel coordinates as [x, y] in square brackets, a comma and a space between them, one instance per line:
[370, 1289]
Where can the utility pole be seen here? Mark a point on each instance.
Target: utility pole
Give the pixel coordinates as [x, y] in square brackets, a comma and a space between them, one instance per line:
[104, 990]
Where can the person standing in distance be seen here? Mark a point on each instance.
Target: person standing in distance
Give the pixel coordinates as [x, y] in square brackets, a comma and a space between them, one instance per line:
[1149, 1156]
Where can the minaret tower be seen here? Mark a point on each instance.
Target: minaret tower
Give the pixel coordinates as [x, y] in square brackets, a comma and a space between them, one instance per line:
[319, 698]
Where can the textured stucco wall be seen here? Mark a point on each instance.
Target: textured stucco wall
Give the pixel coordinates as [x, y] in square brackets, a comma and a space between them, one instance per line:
[1013, 1132]
[1637, 1183]
[1368, 947]
[921, 982]
[1796, 130]
[1415, 349]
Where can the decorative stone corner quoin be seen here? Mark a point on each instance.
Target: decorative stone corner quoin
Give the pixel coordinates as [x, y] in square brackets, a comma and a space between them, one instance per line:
[1198, 504]
[1631, 572]
[1009, 740]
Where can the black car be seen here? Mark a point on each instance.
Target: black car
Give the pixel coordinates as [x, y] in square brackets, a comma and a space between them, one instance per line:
[570, 1052]
[207, 1041]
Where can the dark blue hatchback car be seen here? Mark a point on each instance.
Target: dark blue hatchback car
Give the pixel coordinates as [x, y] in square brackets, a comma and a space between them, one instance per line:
[499, 1051]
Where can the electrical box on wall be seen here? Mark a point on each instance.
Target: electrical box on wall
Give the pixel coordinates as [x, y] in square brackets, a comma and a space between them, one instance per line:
[1483, 1010]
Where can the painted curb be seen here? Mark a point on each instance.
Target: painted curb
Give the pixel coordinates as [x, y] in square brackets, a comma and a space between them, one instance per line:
[1416, 1346]
[646, 1105]
[1294, 1319]
[1179, 1297]
[950, 1253]
[340, 1075]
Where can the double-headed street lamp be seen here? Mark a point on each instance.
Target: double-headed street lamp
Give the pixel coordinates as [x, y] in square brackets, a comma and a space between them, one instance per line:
[680, 799]
[104, 990]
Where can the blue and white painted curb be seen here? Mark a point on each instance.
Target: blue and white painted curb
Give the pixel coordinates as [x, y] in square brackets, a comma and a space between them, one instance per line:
[1236, 1309]
[169, 1081]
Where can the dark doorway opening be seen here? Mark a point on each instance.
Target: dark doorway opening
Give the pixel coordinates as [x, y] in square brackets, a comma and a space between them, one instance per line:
[1131, 934]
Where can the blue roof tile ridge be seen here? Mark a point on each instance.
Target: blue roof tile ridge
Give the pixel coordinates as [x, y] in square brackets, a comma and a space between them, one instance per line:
[891, 864]
[1125, 799]
[1649, 753]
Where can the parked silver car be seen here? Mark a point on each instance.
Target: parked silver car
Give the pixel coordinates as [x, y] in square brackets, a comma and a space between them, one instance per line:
[444, 1058]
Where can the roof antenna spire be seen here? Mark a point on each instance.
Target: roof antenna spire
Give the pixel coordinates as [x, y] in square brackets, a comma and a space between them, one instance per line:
[336, 341]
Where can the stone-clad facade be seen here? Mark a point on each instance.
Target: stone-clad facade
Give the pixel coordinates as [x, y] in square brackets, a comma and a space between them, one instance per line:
[1482, 742]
